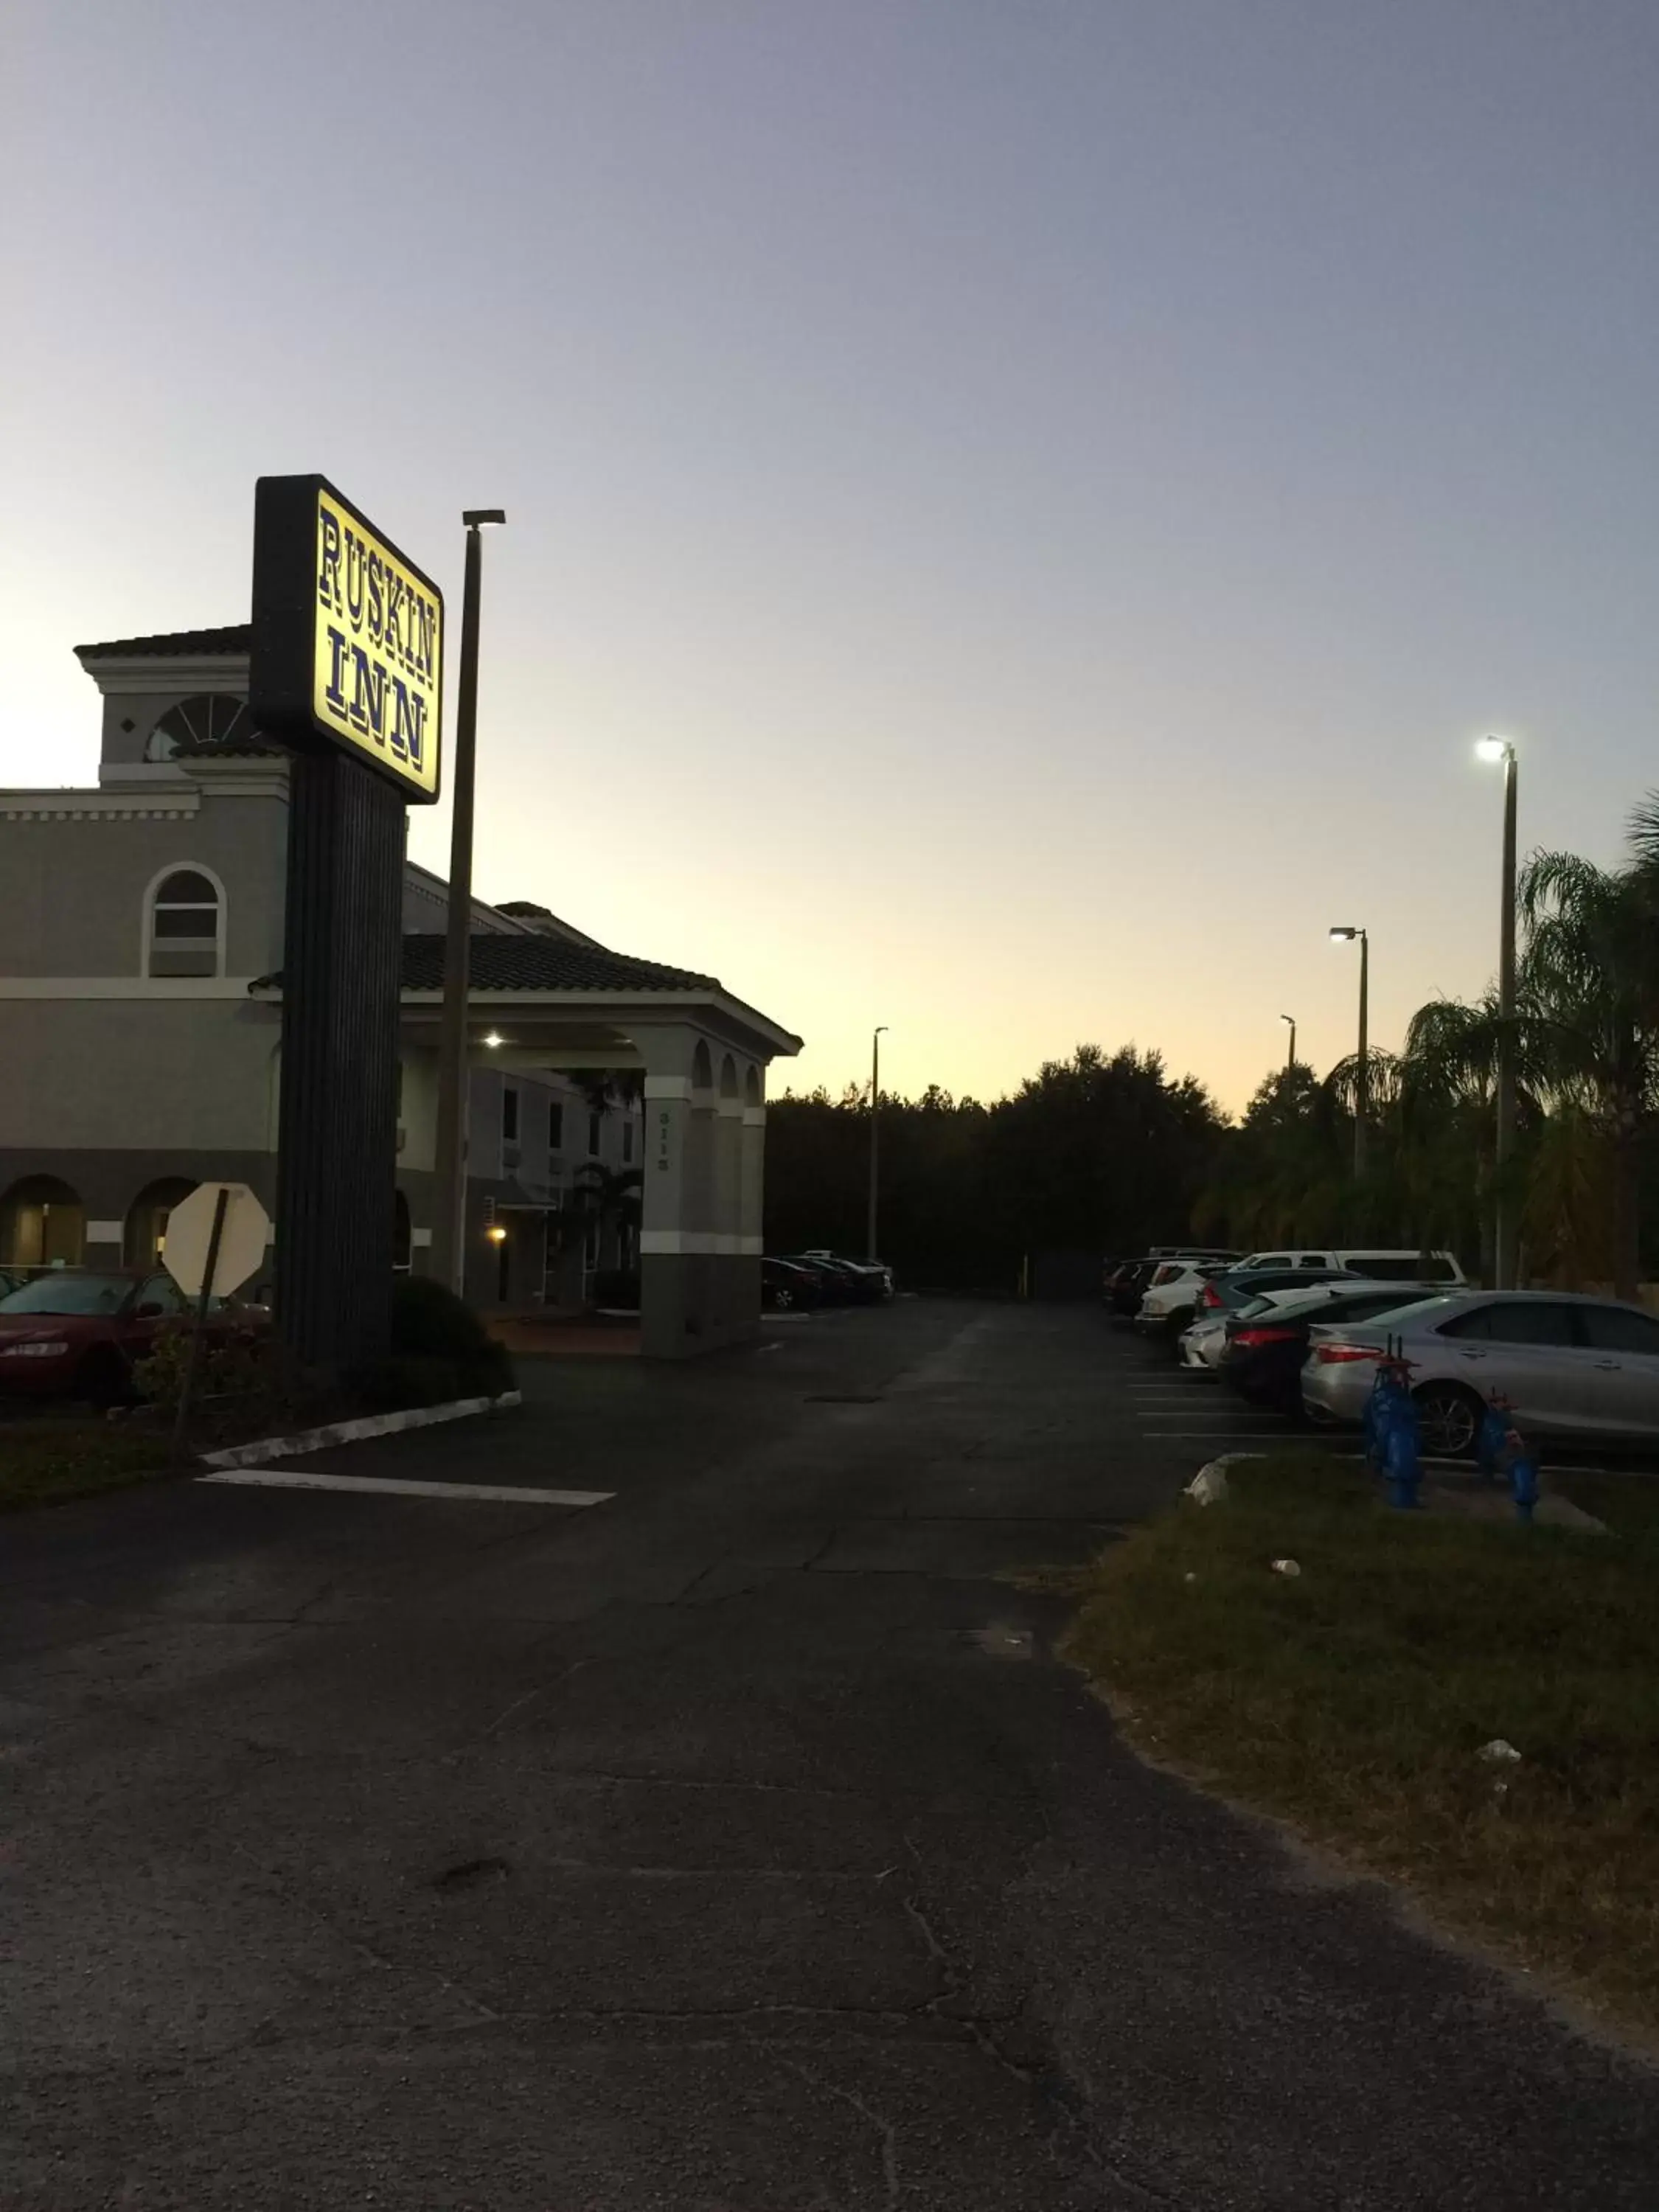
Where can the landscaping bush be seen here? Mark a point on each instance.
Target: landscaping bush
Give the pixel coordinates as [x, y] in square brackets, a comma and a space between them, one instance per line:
[226, 1366]
[440, 1349]
[618, 1287]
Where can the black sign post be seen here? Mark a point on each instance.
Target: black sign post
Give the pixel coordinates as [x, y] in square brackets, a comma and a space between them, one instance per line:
[347, 672]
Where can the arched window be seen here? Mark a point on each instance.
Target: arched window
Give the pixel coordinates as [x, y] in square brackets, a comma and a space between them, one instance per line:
[184, 928]
[147, 1220]
[42, 1224]
[211, 719]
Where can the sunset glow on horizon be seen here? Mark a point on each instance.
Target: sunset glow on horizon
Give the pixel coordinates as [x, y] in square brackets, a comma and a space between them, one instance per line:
[1018, 518]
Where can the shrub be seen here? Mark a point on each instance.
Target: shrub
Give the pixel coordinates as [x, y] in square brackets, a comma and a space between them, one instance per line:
[618, 1286]
[441, 1344]
[228, 1366]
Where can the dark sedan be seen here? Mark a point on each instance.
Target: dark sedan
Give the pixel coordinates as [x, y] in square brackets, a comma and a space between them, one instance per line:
[1267, 1345]
[787, 1287]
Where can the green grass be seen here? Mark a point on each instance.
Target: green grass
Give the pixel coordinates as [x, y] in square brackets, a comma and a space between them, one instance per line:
[1352, 1700]
[41, 1461]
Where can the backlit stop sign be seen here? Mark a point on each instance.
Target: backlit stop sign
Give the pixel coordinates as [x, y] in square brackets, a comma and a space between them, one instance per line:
[348, 635]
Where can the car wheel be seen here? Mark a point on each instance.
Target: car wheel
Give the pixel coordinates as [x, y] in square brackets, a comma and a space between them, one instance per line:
[1449, 1420]
[782, 1299]
[104, 1380]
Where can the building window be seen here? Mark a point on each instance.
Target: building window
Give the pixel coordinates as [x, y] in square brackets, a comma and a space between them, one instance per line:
[628, 1142]
[509, 1115]
[214, 722]
[593, 1120]
[556, 1126]
[185, 925]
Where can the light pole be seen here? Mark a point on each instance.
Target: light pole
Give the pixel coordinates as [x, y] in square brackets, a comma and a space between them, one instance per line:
[876, 1035]
[1345, 935]
[1290, 1057]
[449, 1163]
[1504, 1238]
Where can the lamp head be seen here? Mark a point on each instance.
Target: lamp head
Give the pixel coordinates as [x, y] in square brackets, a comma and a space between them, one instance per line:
[1345, 935]
[481, 517]
[495, 1233]
[1291, 1018]
[493, 1041]
[1493, 748]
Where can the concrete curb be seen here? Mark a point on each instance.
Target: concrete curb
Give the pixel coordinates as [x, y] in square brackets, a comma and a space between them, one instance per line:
[352, 1432]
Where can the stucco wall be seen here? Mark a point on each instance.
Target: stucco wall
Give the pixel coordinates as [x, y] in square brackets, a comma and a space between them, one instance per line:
[140, 1074]
[72, 891]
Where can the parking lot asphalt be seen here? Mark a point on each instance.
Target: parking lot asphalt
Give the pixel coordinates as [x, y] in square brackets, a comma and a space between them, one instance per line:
[735, 1845]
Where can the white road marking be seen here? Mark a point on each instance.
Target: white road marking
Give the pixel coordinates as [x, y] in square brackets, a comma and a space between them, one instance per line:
[503, 1493]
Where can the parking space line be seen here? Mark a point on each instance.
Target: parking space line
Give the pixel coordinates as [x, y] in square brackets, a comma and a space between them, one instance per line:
[501, 1493]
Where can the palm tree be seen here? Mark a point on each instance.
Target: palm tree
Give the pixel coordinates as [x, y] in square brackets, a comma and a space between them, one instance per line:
[1588, 1001]
[599, 1197]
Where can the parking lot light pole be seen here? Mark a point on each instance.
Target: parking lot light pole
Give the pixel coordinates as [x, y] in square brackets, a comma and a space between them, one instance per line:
[1505, 1225]
[870, 1250]
[449, 1178]
[1290, 1057]
[1345, 935]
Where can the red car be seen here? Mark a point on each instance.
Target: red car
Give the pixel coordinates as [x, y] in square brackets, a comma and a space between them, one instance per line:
[73, 1333]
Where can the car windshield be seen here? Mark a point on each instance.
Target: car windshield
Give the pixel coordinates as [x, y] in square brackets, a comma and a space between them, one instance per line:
[64, 1293]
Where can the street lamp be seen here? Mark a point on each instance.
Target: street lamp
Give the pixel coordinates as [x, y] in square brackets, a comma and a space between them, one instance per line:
[875, 1113]
[1504, 1238]
[1290, 1057]
[449, 1164]
[1346, 935]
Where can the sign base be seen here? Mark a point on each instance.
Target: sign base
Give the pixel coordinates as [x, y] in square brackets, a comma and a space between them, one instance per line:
[337, 1159]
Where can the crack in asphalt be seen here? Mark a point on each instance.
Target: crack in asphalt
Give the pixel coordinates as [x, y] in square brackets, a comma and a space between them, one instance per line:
[885, 2128]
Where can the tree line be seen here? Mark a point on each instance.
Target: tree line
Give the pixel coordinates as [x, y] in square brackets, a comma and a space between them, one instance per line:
[1108, 1153]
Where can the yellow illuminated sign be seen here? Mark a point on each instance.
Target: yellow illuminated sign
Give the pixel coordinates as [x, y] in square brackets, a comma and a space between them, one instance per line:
[377, 655]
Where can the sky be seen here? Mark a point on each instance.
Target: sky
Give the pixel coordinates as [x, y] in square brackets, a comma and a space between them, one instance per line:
[1018, 512]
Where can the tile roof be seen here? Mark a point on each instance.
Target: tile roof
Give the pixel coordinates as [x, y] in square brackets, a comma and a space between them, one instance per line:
[543, 964]
[173, 644]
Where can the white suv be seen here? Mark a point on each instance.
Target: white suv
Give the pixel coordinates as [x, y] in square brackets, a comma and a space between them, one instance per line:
[1375, 1264]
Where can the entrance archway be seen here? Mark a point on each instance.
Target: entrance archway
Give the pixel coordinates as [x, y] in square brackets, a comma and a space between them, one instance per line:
[146, 1219]
[42, 1224]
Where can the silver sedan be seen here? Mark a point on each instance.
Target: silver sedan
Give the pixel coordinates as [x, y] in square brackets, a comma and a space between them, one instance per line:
[1565, 1366]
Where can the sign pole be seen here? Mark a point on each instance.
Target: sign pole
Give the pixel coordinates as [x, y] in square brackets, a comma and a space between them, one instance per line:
[347, 672]
[192, 1358]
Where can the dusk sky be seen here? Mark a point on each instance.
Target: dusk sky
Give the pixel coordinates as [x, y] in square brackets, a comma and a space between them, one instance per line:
[1017, 513]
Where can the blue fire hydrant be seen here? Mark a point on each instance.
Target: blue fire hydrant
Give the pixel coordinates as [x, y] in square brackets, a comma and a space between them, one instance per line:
[1400, 1462]
[1381, 1409]
[1391, 1433]
[1501, 1449]
[1494, 1440]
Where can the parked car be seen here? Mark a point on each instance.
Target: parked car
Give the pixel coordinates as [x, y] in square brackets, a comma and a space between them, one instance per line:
[1170, 1298]
[1377, 1264]
[840, 1283]
[1223, 1300]
[1567, 1366]
[75, 1333]
[1234, 1288]
[1126, 1284]
[875, 1275]
[787, 1287]
[1264, 1344]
